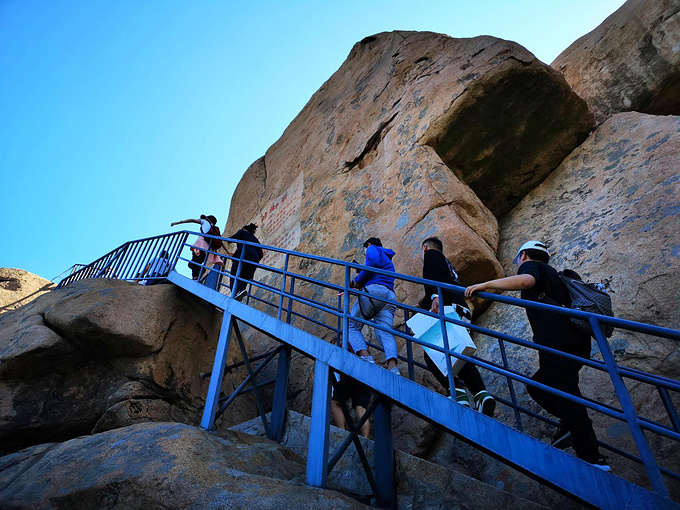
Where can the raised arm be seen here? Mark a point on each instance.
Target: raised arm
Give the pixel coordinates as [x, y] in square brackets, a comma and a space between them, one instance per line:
[185, 221]
[517, 282]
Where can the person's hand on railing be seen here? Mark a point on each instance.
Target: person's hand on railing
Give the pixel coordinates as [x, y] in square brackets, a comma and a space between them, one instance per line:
[435, 305]
[352, 284]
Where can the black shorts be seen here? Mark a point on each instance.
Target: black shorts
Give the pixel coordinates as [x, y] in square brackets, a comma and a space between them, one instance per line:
[347, 388]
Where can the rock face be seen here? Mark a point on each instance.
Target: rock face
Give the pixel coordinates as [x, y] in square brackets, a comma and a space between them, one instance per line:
[398, 141]
[19, 287]
[417, 134]
[102, 354]
[420, 484]
[161, 465]
[610, 212]
[631, 62]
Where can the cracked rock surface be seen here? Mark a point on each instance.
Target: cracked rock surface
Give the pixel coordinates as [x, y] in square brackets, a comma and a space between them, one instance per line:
[102, 354]
[631, 62]
[162, 465]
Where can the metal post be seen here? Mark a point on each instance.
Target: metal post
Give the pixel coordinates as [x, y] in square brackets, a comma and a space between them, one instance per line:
[384, 456]
[511, 386]
[445, 338]
[317, 452]
[278, 416]
[641, 442]
[213, 396]
[346, 311]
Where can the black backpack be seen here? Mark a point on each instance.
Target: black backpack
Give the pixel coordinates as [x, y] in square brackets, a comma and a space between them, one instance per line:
[587, 297]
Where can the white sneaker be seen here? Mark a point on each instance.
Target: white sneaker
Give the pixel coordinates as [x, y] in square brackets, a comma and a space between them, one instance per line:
[395, 370]
[368, 358]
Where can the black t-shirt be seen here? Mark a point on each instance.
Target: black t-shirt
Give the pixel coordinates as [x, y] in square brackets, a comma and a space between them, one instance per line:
[549, 329]
[438, 268]
[252, 252]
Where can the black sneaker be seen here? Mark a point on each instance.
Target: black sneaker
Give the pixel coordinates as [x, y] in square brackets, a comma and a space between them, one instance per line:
[563, 439]
[240, 295]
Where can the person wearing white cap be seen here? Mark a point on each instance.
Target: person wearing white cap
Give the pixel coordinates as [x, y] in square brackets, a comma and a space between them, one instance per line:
[539, 281]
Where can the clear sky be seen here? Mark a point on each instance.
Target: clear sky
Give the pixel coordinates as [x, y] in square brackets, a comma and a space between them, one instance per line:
[119, 117]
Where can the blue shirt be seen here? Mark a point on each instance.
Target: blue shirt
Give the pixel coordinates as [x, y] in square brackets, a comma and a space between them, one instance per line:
[377, 256]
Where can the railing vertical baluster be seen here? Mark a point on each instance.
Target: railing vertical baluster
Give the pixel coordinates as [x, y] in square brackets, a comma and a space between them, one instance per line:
[128, 262]
[511, 387]
[283, 286]
[409, 350]
[641, 442]
[670, 407]
[345, 310]
[338, 336]
[445, 337]
[133, 258]
[291, 291]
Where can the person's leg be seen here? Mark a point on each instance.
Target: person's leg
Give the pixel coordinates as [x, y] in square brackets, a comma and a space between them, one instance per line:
[196, 259]
[232, 272]
[356, 339]
[563, 374]
[385, 317]
[483, 400]
[366, 427]
[432, 367]
[471, 377]
[338, 415]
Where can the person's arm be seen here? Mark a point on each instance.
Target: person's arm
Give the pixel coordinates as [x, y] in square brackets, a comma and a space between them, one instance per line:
[517, 282]
[185, 221]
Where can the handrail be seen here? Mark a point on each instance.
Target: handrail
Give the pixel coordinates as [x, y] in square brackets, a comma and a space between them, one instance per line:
[125, 260]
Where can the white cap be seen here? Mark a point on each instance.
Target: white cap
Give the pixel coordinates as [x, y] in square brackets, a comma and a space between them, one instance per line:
[530, 245]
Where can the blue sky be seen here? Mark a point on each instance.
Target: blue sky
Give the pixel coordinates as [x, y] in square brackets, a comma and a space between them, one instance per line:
[119, 117]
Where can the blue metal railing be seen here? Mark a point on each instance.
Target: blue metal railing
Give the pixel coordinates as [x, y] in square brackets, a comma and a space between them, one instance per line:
[327, 312]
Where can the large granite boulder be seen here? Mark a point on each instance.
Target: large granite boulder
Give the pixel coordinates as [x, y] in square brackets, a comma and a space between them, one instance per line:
[631, 62]
[19, 287]
[417, 134]
[102, 354]
[400, 142]
[610, 211]
[161, 465]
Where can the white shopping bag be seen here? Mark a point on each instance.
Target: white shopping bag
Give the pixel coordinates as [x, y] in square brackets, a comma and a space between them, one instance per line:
[429, 331]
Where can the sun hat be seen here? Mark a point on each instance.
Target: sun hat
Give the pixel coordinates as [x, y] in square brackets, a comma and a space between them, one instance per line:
[530, 245]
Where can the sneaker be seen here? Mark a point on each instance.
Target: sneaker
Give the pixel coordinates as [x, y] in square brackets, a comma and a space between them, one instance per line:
[395, 370]
[368, 358]
[563, 439]
[240, 295]
[485, 403]
[462, 397]
[600, 463]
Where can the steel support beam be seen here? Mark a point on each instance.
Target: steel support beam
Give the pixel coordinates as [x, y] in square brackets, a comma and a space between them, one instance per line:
[384, 456]
[278, 416]
[317, 452]
[217, 375]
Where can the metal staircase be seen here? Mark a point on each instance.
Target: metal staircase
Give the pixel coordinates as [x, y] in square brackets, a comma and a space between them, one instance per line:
[275, 308]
